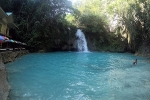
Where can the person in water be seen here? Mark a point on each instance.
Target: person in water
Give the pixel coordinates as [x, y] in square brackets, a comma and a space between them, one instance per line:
[135, 62]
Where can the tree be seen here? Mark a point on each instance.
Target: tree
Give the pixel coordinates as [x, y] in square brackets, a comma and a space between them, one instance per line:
[41, 22]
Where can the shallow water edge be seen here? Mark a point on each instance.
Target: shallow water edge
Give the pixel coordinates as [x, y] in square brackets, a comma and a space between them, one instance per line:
[6, 57]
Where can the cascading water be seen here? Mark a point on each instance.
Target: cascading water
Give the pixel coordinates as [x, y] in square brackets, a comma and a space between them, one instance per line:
[81, 41]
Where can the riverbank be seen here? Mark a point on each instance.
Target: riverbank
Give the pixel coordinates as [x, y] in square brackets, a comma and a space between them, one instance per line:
[6, 57]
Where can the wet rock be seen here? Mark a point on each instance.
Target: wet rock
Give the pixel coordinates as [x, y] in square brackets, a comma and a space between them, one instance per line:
[144, 50]
[4, 86]
[6, 57]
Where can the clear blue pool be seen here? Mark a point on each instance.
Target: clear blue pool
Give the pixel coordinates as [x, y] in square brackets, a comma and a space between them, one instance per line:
[79, 76]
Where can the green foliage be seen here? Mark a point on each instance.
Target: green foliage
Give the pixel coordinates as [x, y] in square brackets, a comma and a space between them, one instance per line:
[132, 14]
[95, 24]
[47, 22]
[41, 23]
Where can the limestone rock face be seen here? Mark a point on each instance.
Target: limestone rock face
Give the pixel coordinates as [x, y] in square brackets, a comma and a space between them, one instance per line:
[4, 86]
[144, 50]
[6, 57]
[10, 55]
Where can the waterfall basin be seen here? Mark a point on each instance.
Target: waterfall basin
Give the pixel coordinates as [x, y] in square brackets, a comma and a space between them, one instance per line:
[79, 76]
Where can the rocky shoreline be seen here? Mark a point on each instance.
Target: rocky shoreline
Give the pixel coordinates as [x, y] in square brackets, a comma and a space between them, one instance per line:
[5, 57]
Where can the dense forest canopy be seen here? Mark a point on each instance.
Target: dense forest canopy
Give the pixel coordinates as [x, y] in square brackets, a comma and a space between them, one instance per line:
[109, 25]
[128, 19]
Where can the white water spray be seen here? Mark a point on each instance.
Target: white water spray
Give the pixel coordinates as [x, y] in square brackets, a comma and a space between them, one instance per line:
[81, 41]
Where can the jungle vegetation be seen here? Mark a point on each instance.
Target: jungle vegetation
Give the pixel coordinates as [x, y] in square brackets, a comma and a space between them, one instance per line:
[109, 25]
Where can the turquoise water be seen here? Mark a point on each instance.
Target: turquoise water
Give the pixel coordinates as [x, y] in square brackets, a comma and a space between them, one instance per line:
[79, 76]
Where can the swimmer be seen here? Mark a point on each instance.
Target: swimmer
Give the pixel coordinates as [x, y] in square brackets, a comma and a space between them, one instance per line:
[135, 62]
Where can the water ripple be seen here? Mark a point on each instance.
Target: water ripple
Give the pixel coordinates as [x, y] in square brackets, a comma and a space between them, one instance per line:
[79, 76]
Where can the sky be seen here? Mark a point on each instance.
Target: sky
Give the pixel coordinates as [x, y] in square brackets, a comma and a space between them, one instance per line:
[73, 1]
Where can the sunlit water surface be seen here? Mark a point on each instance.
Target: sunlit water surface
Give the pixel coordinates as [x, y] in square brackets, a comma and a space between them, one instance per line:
[79, 76]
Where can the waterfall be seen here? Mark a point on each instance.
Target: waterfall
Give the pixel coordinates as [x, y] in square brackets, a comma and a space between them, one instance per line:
[81, 41]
